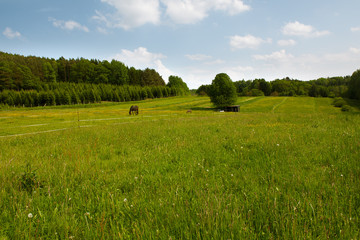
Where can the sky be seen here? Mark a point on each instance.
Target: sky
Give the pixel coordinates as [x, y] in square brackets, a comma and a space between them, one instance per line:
[192, 39]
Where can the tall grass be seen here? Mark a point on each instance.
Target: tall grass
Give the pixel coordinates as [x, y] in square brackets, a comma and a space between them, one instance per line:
[281, 168]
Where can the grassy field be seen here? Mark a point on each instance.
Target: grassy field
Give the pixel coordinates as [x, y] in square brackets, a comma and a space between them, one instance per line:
[282, 168]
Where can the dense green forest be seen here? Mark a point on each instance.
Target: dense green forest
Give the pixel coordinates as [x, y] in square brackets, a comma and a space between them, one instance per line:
[348, 86]
[34, 81]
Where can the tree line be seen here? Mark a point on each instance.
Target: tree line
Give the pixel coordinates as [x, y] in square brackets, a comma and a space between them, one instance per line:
[223, 91]
[322, 87]
[83, 93]
[35, 81]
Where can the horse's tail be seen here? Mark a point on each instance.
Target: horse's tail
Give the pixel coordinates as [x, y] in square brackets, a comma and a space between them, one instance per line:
[130, 110]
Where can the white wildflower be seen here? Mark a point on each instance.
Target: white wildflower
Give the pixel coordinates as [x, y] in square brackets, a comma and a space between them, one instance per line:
[125, 200]
[30, 215]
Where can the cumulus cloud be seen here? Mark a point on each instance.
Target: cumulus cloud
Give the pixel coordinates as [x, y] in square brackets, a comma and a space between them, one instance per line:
[232, 7]
[130, 14]
[355, 29]
[298, 29]
[11, 34]
[354, 50]
[192, 11]
[186, 11]
[141, 58]
[68, 25]
[277, 56]
[284, 43]
[248, 41]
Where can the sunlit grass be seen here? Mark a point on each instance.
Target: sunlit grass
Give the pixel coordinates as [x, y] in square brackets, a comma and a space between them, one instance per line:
[282, 168]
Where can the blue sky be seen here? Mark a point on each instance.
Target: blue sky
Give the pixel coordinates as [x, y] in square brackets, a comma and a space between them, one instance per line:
[192, 39]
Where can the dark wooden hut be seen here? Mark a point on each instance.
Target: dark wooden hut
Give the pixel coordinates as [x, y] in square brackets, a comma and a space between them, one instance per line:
[234, 108]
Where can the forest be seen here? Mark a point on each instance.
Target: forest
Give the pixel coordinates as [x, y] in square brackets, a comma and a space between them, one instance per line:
[347, 86]
[35, 81]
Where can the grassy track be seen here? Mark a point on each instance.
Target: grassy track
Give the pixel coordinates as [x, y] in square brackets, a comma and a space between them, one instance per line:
[282, 168]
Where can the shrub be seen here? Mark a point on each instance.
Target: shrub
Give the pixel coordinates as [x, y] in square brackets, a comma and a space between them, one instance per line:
[339, 102]
[345, 108]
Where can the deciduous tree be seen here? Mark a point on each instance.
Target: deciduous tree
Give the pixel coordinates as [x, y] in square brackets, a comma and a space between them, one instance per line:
[222, 91]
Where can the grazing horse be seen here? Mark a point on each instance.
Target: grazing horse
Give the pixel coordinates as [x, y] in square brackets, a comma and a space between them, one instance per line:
[189, 111]
[134, 110]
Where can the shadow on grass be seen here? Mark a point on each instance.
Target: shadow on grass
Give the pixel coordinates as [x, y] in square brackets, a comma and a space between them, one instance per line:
[353, 103]
[203, 109]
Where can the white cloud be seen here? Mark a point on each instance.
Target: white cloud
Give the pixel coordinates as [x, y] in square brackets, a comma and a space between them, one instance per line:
[355, 29]
[241, 69]
[215, 62]
[198, 57]
[248, 41]
[284, 43]
[186, 11]
[130, 14]
[141, 58]
[162, 70]
[277, 56]
[354, 50]
[298, 29]
[68, 25]
[11, 34]
[192, 11]
[233, 7]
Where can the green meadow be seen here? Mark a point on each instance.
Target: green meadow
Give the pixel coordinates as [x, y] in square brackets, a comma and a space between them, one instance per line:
[281, 168]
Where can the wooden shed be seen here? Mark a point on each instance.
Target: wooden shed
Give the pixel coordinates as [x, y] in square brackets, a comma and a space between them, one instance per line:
[234, 108]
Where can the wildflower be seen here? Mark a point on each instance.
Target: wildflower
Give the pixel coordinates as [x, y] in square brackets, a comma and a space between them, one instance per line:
[125, 200]
[87, 214]
[136, 178]
[30, 215]
[232, 175]
[277, 144]
[341, 175]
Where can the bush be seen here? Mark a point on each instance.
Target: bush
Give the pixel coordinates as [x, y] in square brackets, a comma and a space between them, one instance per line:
[345, 108]
[331, 95]
[339, 102]
[255, 93]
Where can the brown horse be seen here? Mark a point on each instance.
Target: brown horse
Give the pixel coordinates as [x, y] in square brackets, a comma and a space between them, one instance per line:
[134, 110]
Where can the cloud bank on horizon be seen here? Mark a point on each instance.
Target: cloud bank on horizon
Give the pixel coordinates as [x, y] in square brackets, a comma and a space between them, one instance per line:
[194, 39]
